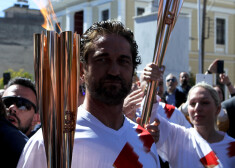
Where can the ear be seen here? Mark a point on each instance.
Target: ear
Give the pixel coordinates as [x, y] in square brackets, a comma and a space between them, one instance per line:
[36, 119]
[218, 110]
[81, 69]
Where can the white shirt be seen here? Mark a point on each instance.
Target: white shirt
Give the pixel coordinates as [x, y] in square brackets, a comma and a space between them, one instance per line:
[167, 111]
[98, 146]
[182, 147]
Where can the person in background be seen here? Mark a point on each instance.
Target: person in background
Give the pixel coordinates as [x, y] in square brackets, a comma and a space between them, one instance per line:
[202, 145]
[104, 137]
[222, 120]
[12, 141]
[223, 78]
[229, 105]
[184, 83]
[167, 111]
[160, 90]
[172, 95]
[19, 98]
[133, 103]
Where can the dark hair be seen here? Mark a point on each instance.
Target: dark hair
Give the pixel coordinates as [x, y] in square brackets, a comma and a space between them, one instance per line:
[2, 109]
[23, 82]
[221, 89]
[108, 27]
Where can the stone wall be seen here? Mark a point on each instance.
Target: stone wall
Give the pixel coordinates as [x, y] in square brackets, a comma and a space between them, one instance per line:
[16, 41]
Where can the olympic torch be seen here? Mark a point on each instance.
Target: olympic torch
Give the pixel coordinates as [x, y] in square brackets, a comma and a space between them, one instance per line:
[56, 65]
[167, 15]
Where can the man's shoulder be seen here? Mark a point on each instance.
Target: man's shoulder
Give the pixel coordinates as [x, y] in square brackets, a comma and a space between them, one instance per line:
[10, 132]
[180, 88]
[178, 92]
[229, 103]
[165, 93]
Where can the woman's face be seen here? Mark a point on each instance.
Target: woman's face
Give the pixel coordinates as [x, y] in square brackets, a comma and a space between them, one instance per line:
[202, 108]
[219, 93]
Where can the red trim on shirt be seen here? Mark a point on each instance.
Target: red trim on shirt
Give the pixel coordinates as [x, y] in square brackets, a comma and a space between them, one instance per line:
[127, 158]
[145, 137]
[231, 149]
[210, 160]
[169, 109]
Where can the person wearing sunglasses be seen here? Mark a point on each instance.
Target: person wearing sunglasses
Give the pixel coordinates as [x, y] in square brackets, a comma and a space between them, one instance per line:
[19, 99]
[172, 95]
[12, 141]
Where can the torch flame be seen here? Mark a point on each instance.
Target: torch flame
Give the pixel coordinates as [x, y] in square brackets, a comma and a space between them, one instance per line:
[48, 14]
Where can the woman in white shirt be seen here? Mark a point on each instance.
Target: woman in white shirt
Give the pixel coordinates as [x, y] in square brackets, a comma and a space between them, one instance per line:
[201, 146]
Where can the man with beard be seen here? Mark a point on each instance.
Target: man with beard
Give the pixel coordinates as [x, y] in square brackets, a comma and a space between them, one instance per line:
[20, 101]
[104, 137]
[184, 83]
[12, 141]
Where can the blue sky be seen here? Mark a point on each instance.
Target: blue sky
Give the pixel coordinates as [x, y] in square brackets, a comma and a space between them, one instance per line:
[8, 3]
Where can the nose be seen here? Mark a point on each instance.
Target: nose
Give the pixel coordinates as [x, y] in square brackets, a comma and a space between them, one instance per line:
[12, 109]
[197, 107]
[114, 69]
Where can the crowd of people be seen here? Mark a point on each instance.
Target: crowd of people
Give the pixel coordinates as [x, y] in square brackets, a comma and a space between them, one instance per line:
[190, 126]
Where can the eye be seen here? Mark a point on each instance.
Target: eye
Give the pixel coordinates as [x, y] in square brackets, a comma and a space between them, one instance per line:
[101, 60]
[22, 107]
[125, 61]
[205, 102]
[192, 104]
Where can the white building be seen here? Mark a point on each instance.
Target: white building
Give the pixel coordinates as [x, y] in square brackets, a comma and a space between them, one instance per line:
[139, 15]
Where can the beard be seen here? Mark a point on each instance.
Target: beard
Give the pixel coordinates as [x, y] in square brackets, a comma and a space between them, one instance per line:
[23, 129]
[111, 94]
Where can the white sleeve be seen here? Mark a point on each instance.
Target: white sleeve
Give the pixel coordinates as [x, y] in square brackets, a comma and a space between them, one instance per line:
[33, 154]
[181, 118]
[171, 139]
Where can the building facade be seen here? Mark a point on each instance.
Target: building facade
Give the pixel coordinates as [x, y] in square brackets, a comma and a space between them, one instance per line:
[16, 38]
[219, 34]
[78, 15]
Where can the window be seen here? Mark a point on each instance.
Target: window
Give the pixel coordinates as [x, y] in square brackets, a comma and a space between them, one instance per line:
[220, 31]
[105, 14]
[104, 11]
[140, 11]
[78, 22]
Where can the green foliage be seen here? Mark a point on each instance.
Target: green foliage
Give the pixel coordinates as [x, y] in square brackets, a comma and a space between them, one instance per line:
[19, 73]
[1, 83]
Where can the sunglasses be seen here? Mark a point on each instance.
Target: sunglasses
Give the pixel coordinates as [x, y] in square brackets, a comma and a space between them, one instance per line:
[20, 102]
[172, 80]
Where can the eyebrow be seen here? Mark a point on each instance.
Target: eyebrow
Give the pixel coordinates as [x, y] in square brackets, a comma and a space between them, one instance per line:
[105, 54]
[203, 98]
[126, 56]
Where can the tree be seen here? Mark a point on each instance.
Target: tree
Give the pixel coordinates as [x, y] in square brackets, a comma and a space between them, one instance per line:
[19, 73]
